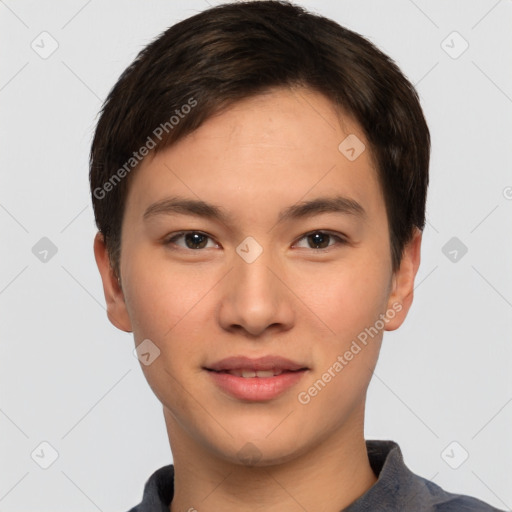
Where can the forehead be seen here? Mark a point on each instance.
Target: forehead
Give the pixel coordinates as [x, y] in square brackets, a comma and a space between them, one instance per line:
[274, 148]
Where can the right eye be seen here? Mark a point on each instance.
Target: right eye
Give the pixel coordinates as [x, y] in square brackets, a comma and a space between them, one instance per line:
[194, 240]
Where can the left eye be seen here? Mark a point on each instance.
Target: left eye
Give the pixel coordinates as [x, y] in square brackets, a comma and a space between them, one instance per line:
[196, 240]
[321, 238]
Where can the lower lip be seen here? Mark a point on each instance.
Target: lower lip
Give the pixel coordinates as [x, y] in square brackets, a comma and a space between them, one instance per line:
[256, 389]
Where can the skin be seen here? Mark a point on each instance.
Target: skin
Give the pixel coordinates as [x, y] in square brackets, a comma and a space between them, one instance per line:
[295, 300]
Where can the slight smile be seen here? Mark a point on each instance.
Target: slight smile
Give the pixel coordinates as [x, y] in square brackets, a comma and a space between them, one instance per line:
[256, 380]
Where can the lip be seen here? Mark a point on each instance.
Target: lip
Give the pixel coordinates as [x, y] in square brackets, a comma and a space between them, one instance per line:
[269, 362]
[256, 389]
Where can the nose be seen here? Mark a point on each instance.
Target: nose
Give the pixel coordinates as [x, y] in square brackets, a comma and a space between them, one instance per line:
[256, 298]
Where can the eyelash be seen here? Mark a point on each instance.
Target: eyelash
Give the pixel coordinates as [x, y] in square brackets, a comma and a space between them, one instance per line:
[341, 240]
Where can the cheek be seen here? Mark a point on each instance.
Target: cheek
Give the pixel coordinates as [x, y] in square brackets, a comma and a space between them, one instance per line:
[158, 296]
[162, 315]
[350, 298]
[351, 305]
[169, 308]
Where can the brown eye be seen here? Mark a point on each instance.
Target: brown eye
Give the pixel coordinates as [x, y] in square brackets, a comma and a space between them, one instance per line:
[193, 240]
[321, 239]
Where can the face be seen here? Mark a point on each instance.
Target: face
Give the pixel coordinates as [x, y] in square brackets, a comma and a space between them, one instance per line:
[289, 261]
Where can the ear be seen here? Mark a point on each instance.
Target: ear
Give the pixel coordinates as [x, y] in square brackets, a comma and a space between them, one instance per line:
[402, 288]
[114, 297]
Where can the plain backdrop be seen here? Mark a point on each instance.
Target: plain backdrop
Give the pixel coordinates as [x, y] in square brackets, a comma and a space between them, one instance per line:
[442, 388]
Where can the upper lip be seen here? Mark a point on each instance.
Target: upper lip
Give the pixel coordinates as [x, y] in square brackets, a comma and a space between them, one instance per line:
[261, 363]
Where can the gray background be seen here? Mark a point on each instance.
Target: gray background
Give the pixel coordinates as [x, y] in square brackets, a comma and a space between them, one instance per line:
[70, 379]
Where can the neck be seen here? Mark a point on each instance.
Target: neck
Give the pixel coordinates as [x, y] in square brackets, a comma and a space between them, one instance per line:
[326, 478]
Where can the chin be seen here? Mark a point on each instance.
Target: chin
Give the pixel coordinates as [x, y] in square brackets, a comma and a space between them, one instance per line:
[259, 451]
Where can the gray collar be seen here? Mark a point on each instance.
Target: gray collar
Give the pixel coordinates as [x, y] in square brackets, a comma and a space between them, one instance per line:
[397, 488]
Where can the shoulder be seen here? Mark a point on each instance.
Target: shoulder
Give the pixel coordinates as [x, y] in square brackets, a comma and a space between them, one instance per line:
[441, 500]
[398, 488]
[158, 491]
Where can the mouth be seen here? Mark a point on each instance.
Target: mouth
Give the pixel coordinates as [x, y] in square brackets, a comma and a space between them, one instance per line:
[267, 363]
[259, 379]
[252, 373]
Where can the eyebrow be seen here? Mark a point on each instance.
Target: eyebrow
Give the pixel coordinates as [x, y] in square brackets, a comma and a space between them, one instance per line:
[202, 209]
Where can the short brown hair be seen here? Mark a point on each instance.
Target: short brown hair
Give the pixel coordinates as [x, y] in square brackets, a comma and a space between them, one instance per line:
[204, 64]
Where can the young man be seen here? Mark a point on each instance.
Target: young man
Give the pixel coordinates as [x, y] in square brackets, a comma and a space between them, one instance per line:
[259, 178]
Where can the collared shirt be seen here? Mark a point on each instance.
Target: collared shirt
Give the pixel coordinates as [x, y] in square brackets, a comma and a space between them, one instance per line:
[397, 488]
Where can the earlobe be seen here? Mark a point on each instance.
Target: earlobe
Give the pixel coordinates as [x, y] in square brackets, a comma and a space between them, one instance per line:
[402, 294]
[114, 297]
